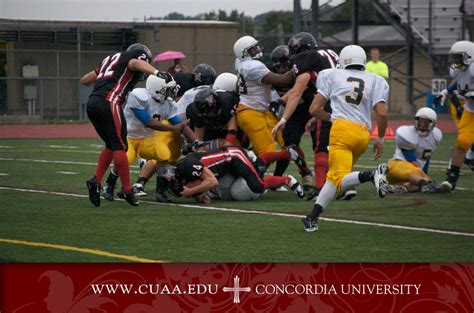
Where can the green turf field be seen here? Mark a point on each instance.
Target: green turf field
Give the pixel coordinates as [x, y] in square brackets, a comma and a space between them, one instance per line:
[46, 216]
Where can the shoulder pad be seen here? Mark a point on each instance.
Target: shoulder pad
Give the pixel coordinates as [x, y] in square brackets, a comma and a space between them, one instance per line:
[407, 136]
[437, 134]
[141, 94]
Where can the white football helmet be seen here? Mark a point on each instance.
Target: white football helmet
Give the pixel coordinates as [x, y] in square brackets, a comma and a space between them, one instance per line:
[226, 81]
[160, 89]
[461, 54]
[352, 55]
[240, 191]
[427, 114]
[243, 45]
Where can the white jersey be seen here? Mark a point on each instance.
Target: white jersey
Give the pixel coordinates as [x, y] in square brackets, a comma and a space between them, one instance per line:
[465, 83]
[253, 93]
[407, 138]
[186, 99]
[353, 93]
[141, 99]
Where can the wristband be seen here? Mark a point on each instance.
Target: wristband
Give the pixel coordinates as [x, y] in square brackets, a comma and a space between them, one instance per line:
[380, 139]
[284, 120]
[155, 72]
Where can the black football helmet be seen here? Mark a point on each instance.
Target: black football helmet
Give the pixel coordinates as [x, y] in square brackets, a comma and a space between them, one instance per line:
[301, 42]
[204, 74]
[140, 51]
[280, 58]
[206, 104]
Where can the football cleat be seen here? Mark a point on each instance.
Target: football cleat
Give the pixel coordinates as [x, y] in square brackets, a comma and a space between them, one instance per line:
[94, 191]
[397, 189]
[295, 156]
[280, 189]
[469, 163]
[347, 195]
[313, 195]
[444, 187]
[128, 196]
[108, 192]
[310, 225]
[139, 190]
[296, 187]
[109, 187]
[162, 197]
[380, 180]
[202, 198]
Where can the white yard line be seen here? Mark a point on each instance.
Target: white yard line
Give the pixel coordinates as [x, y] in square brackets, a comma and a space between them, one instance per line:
[61, 146]
[210, 208]
[67, 173]
[4, 174]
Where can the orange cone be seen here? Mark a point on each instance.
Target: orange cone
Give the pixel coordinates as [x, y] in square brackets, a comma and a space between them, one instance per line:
[389, 133]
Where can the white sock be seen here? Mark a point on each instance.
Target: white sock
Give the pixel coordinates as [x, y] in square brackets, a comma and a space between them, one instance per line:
[350, 180]
[469, 154]
[327, 194]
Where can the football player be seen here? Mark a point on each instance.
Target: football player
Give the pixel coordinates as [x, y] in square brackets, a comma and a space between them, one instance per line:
[280, 63]
[353, 94]
[202, 75]
[462, 71]
[414, 147]
[208, 167]
[145, 111]
[255, 83]
[308, 61]
[116, 76]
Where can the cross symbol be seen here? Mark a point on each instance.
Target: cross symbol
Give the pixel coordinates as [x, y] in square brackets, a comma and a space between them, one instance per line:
[236, 289]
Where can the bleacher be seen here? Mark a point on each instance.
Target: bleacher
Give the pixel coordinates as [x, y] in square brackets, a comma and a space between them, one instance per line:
[445, 22]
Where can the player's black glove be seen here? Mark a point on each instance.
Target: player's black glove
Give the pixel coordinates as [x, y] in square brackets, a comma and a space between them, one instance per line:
[193, 146]
[165, 75]
[275, 106]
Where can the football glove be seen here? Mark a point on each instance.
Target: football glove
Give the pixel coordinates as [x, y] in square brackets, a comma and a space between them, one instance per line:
[193, 146]
[440, 99]
[275, 106]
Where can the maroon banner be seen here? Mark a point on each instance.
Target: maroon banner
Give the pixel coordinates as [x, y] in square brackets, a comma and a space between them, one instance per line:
[255, 287]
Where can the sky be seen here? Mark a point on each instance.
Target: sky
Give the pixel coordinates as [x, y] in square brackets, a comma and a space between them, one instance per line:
[127, 10]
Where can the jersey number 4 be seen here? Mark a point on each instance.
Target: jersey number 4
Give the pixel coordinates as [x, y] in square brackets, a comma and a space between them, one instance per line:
[358, 91]
[107, 67]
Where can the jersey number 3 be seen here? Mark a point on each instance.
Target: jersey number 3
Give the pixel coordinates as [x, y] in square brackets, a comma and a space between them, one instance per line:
[358, 91]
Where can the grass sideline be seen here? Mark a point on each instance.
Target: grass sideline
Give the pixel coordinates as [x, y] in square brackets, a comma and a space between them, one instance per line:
[158, 232]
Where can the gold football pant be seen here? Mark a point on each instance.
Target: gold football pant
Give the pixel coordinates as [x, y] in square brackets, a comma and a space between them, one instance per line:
[347, 142]
[258, 127]
[399, 172]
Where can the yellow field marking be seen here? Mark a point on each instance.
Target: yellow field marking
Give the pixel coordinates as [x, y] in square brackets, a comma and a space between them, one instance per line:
[75, 249]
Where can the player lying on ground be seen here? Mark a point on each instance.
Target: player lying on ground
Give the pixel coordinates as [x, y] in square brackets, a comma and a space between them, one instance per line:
[414, 146]
[208, 167]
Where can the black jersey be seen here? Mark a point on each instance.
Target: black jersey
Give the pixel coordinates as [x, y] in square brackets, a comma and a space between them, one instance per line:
[226, 101]
[219, 161]
[314, 61]
[114, 78]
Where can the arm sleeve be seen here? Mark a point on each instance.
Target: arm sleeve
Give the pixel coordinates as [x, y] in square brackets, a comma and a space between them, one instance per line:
[142, 115]
[254, 70]
[451, 88]
[427, 166]
[175, 120]
[323, 83]
[410, 155]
